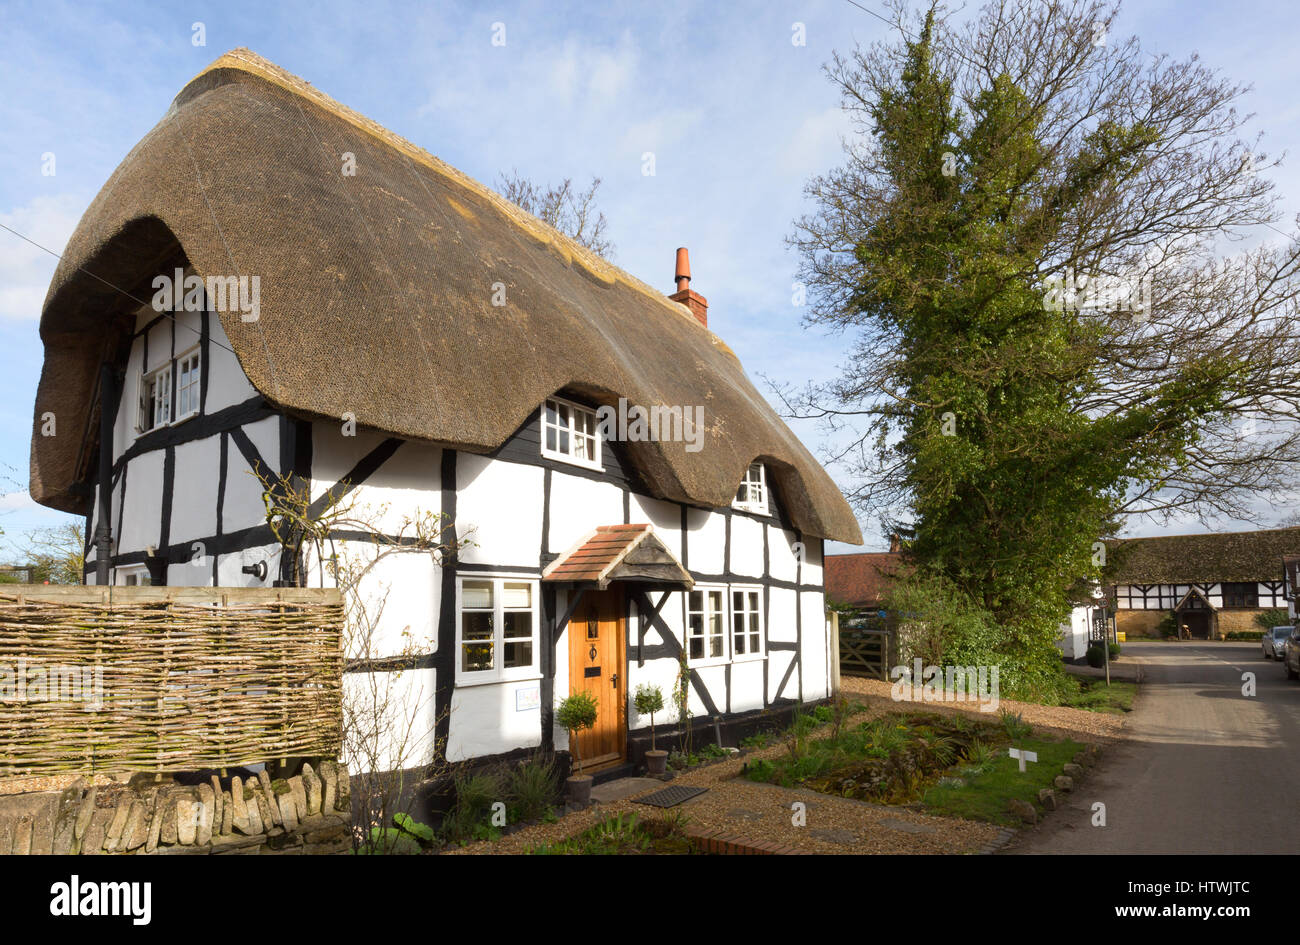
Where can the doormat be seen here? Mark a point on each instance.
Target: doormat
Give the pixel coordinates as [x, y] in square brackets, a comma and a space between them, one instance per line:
[671, 796]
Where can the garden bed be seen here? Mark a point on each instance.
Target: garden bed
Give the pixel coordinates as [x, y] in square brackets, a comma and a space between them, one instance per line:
[627, 834]
[944, 764]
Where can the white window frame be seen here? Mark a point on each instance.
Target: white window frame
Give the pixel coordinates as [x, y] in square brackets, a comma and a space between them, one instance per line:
[750, 654]
[161, 378]
[570, 430]
[138, 571]
[750, 484]
[194, 385]
[725, 620]
[499, 673]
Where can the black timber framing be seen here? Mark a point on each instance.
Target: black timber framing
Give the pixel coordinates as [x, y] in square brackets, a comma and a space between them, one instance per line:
[444, 661]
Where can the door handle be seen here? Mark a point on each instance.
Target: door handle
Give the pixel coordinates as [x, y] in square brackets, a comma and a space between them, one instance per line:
[613, 678]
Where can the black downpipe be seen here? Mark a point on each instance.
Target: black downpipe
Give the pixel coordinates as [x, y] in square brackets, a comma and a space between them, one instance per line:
[104, 524]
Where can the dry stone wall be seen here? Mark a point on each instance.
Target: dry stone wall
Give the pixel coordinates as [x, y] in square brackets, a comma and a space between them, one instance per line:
[307, 813]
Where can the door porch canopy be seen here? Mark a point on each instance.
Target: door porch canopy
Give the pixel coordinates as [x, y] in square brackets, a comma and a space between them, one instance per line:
[619, 553]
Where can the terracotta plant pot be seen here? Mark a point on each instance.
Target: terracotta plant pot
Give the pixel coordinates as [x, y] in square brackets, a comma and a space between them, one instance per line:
[578, 789]
[656, 762]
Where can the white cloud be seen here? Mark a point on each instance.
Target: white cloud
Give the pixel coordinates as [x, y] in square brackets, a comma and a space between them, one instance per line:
[815, 146]
[25, 270]
[17, 501]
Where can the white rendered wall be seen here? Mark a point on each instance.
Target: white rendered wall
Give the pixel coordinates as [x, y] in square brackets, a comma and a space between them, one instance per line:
[499, 511]
[706, 541]
[402, 708]
[494, 718]
[746, 546]
[1074, 633]
[578, 505]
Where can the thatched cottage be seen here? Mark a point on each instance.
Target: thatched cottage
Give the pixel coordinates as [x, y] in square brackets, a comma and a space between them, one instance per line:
[1212, 584]
[271, 282]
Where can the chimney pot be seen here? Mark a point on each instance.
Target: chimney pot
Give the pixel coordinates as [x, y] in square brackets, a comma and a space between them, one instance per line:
[697, 303]
[683, 272]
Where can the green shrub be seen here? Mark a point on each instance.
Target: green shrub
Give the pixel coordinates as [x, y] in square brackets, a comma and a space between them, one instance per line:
[1014, 724]
[576, 713]
[1095, 656]
[980, 759]
[944, 626]
[533, 787]
[648, 700]
[623, 834]
[422, 833]
[388, 841]
[475, 793]
[1267, 620]
[1114, 650]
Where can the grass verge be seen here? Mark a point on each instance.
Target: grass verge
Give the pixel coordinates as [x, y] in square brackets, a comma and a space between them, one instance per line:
[1095, 696]
[986, 793]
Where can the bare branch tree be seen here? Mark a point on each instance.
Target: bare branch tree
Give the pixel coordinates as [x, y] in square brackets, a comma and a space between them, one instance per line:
[571, 211]
[390, 718]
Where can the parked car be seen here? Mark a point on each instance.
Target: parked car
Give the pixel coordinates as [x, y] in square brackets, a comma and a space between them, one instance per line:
[1291, 655]
[1273, 641]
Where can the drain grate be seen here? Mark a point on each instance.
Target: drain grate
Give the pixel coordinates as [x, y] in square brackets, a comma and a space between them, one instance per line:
[671, 796]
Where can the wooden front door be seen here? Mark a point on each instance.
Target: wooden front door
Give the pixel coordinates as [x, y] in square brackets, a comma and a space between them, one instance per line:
[596, 657]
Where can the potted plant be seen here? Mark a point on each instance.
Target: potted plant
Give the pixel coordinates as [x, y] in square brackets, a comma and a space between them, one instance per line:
[649, 700]
[576, 713]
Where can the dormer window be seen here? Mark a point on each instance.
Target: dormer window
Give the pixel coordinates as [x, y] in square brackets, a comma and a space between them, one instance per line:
[570, 433]
[752, 494]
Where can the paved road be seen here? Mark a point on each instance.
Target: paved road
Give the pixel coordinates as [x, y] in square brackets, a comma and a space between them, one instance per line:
[1206, 769]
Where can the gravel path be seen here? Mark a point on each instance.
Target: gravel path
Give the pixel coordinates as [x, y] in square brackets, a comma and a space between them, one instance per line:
[764, 812]
[834, 824]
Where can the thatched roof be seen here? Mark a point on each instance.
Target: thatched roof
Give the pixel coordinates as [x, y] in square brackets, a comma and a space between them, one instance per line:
[1202, 559]
[376, 296]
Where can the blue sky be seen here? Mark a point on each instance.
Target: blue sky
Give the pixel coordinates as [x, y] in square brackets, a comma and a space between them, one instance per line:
[737, 115]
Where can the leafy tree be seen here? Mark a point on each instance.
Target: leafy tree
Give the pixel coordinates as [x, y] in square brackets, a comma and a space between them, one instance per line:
[1010, 398]
[1275, 617]
[57, 555]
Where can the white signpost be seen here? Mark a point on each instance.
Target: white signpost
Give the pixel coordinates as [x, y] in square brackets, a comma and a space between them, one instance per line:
[1024, 756]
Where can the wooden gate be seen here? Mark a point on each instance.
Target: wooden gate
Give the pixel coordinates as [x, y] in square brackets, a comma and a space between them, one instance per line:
[866, 652]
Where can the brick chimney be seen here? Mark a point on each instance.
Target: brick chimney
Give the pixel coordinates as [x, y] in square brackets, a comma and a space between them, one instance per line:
[697, 303]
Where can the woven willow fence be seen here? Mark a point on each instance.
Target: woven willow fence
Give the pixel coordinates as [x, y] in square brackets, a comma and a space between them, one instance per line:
[167, 678]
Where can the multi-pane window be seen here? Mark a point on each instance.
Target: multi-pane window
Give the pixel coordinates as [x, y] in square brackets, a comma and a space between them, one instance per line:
[705, 620]
[187, 385]
[517, 624]
[746, 622]
[156, 407]
[1241, 595]
[498, 628]
[477, 630]
[155, 399]
[752, 494]
[569, 433]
